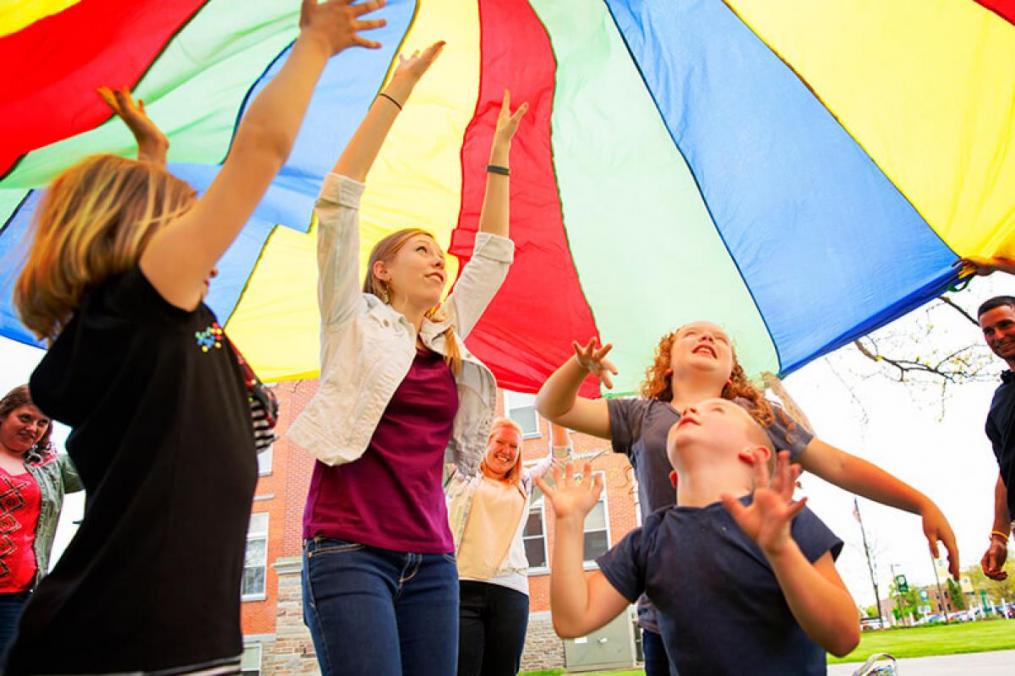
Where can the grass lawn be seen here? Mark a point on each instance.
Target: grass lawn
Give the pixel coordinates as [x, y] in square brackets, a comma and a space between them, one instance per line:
[967, 637]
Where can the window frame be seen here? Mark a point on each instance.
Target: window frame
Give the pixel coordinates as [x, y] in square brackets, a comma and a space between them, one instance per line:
[251, 537]
[590, 564]
[520, 400]
[539, 504]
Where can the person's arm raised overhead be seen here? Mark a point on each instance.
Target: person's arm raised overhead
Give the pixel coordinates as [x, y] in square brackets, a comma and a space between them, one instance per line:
[183, 254]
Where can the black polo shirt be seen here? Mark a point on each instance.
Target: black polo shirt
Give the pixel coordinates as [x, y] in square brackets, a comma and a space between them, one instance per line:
[1001, 431]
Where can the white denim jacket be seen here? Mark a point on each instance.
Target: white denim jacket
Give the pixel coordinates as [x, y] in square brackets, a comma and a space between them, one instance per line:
[367, 347]
[460, 493]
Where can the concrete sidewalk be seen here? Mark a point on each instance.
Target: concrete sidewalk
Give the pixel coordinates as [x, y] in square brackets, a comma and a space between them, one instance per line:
[999, 663]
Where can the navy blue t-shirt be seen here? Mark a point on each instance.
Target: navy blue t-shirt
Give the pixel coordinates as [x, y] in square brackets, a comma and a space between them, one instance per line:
[1001, 431]
[719, 607]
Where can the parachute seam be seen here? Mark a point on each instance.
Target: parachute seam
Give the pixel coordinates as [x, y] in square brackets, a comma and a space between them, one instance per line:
[560, 197]
[857, 330]
[140, 77]
[697, 185]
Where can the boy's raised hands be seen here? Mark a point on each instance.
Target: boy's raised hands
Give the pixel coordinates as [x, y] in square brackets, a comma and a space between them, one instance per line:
[767, 519]
[572, 498]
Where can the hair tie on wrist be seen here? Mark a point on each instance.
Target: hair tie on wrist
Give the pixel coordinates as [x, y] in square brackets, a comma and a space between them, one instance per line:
[999, 534]
[391, 98]
[497, 169]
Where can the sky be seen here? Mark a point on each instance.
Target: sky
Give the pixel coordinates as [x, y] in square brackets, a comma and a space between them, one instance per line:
[940, 450]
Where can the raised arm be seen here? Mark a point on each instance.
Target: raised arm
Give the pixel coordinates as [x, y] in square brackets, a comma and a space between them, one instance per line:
[814, 592]
[560, 450]
[360, 153]
[152, 144]
[578, 604]
[993, 561]
[181, 256]
[494, 215]
[870, 481]
[558, 399]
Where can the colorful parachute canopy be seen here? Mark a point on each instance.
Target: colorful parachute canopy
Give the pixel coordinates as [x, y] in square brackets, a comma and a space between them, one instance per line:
[800, 173]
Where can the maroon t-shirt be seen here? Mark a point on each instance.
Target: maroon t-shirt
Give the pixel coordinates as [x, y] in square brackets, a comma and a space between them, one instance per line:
[391, 497]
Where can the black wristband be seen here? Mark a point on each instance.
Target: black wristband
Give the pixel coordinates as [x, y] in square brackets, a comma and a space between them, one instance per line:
[392, 99]
[497, 169]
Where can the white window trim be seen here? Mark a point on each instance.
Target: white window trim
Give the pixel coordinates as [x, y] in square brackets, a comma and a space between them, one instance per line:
[509, 395]
[592, 565]
[268, 453]
[261, 595]
[540, 570]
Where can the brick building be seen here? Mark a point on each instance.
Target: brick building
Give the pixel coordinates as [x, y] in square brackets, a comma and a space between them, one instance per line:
[276, 640]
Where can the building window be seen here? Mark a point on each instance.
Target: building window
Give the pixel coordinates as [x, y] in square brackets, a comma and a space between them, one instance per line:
[255, 564]
[522, 409]
[597, 528]
[534, 536]
[264, 461]
[250, 663]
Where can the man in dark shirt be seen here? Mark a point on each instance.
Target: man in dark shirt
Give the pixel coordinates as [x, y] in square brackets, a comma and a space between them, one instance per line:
[997, 320]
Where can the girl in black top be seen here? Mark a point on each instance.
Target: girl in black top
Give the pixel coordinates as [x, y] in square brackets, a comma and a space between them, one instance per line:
[142, 372]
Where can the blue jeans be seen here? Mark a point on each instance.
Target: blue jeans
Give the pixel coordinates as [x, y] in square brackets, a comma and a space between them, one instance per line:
[10, 612]
[657, 663]
[375, 611]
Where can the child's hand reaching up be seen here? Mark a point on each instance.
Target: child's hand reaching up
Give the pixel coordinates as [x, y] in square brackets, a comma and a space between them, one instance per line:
[572, 498]
[767, 519]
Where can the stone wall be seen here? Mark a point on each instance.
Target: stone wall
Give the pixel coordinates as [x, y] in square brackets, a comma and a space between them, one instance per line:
[292, 651]
[543, 648]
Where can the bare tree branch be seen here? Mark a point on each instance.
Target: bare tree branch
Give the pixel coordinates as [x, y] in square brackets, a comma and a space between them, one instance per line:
[952, 304]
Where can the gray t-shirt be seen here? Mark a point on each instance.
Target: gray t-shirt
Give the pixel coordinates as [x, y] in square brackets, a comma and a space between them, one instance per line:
[639, 428]
[720, 608]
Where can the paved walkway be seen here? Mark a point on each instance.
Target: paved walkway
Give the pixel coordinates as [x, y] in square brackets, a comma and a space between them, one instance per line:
[999, 663]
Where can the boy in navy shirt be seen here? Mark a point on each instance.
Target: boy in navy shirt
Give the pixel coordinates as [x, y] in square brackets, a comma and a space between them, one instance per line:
[743, 577]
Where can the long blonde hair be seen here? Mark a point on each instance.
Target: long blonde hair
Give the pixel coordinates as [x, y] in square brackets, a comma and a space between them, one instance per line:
[93, 223]
[385, 250]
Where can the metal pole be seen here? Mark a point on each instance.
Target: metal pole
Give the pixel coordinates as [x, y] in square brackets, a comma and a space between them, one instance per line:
[937, 581]
[870, 567]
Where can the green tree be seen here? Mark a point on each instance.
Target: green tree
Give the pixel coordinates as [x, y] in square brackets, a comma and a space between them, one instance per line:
[996, 591]
[955, 592]
[906, 604]
[871, 611]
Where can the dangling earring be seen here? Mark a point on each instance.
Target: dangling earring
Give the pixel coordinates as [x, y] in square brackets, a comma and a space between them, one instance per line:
[385, 295]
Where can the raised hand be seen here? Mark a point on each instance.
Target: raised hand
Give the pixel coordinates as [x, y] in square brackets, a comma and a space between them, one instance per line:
[981, 265]
[336, 23]
[593, 359]
[152, 144]
[572, 498]
[414, 66]
[507, 122]
[993, 560]
[768, 518]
